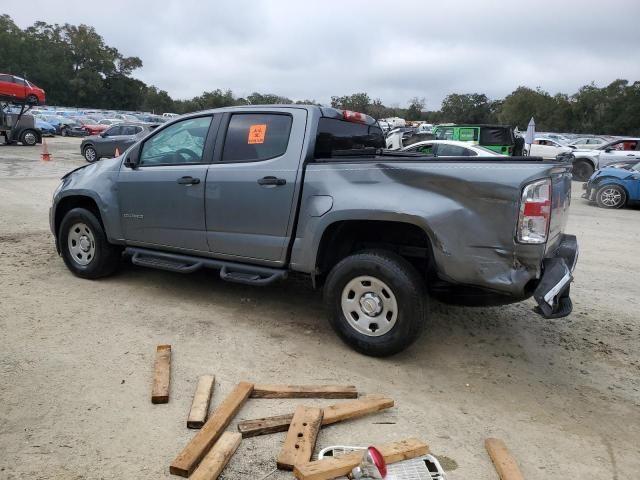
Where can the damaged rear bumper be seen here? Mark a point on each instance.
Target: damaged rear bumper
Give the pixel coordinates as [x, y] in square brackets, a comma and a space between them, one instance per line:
[552, 293]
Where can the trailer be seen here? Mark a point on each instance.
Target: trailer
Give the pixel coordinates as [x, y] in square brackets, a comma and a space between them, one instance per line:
[16, 124]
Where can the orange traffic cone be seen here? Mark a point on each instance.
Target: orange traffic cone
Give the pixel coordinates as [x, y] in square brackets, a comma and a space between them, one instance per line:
[117, 153]
[46, 156]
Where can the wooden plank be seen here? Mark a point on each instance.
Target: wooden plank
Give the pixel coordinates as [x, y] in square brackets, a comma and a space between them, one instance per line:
[301, 437]
[328, 468]
[161, 375]
[201, 399]
[188, 459]
[304, 391]
[332, 414]
[503, 460]
[214, 462]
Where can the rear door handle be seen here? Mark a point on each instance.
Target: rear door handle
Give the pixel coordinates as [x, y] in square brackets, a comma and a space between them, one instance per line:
[272, 181]
[188, 181]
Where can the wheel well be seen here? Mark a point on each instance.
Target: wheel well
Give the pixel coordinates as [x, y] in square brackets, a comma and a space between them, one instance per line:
[341, 239]
[69, 203]
[584, 159]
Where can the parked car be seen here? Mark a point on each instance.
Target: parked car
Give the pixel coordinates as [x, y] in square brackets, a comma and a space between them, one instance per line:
[449, 148]
[547, 148]
[587, 143]
[120, 136]
[45, 127]
[14, 88]
[614, 186]
[109, 121]
[499, 138]
[91, 126]
[257, 192]
[588, 161]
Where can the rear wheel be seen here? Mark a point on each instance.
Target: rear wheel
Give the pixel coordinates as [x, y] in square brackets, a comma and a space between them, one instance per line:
[377, 302]
[611, 196]
[32, 100]
[582, 170]
[84, 245]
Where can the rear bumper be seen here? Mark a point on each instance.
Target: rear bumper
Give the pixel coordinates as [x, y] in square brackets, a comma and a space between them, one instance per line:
[552, 292]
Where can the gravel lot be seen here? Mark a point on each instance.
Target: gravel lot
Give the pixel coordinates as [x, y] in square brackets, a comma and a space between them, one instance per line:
[76, 358]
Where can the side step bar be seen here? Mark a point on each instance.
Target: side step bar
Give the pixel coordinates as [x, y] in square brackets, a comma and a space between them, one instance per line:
[229, 271]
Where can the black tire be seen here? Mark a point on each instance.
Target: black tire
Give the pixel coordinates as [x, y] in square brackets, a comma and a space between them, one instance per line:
[89, 153]
[104, 259]
[64, 132]
[32, 100]
[29, 138]
[582, 170]
[407, 287]
[611, 196]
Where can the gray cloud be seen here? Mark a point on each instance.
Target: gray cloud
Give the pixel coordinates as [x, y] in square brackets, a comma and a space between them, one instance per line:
[392, 50]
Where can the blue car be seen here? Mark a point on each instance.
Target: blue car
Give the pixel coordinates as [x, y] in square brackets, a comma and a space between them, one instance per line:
[46, 128]
[614, 186]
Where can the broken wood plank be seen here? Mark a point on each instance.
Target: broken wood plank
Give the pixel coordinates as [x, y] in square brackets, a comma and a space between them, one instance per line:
[304, 391]
[329, 468]
[188, 459]
[503, 460]
[201, 399]
[332, 414]
[214, 462]
[161, 375]
[301, 437]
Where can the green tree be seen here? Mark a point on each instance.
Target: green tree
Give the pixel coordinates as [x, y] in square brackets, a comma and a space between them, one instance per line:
[416, 105]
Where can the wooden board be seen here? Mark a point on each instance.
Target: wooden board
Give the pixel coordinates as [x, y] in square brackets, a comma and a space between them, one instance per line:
[301, 437]
[188, 459]
[201, 399]
[328, 468]
[332, 414]
[503, 460]
[161, 375]
[304, 391]
[214, 462]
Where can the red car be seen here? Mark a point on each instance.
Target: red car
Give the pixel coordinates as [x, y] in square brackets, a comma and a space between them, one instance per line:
[91, 126]
[14, 88]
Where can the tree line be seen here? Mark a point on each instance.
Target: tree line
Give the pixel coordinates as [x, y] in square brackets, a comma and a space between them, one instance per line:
[77, 68]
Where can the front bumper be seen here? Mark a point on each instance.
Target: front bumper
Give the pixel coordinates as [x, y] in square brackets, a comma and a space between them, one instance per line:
[552, 293]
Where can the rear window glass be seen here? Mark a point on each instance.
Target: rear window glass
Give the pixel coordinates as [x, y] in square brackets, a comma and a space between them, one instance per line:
[254, 137]
[339, 137]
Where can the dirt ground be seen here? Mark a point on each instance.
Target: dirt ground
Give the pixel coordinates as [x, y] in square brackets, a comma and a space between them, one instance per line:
[76, 359]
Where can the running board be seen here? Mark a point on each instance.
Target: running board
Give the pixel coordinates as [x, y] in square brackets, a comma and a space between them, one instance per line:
[229, 271]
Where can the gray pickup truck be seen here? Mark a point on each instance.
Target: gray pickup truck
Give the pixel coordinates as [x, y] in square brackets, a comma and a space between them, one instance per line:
[258, 192]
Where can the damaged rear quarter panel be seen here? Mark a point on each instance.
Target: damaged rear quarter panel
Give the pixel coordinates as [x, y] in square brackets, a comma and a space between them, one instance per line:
[469, 210]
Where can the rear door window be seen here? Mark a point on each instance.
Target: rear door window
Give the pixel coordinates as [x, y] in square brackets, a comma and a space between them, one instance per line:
[339, 137]
[253, 137]
[468, 134]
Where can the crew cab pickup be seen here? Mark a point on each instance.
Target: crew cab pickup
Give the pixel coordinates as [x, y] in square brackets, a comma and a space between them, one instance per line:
[258, 192]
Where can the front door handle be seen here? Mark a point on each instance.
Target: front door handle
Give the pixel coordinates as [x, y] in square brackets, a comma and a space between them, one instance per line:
[631, 154]
[188, 181]
[272, 181]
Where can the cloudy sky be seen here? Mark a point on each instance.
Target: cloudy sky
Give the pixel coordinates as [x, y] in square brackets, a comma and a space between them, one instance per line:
[312, 49]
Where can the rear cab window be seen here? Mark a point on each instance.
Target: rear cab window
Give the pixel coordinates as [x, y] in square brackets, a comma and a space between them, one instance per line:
[337, 137]
[254, 137]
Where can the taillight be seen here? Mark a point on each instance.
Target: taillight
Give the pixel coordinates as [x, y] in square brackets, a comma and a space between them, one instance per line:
[351, 116]
[535, 211]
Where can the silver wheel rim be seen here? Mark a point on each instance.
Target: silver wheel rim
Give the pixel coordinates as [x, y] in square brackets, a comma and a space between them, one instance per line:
[30, 138]
[369, 306]
[610, 197]
[81, 244]
[90, 154]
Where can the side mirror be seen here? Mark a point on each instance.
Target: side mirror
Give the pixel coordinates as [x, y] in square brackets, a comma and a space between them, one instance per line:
[133, 158]
[103, 134]
[607, 150]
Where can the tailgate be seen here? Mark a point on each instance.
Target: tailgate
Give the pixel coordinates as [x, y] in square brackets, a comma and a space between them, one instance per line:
[560, 202]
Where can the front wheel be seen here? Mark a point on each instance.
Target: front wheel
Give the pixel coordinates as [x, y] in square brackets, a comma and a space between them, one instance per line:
[582, 170]
[90, 154]
[84, 245]
[611, 196]
[377, 302]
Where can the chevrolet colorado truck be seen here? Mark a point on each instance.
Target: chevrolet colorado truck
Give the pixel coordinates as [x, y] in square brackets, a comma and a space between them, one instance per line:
[261, 191]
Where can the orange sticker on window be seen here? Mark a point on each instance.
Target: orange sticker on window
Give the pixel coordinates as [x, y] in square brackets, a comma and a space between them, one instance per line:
[257, 133]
